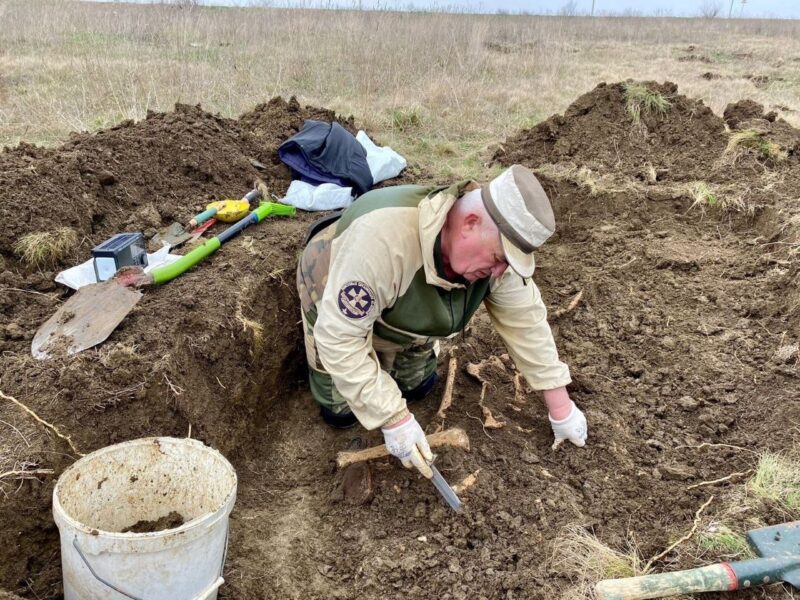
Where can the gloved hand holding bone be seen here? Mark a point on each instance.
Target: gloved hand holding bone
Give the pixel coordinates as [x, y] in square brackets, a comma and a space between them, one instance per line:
[405, 439]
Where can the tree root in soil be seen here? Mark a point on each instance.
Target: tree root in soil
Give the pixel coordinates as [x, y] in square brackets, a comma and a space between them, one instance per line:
[25, 474]
[720, 480]
[50, 426]
[686, 537]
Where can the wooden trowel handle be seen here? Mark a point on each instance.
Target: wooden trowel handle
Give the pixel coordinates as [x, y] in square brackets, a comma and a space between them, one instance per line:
[714, 578]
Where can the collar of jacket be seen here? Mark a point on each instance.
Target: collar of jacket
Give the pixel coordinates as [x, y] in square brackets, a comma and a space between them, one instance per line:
[432, 216]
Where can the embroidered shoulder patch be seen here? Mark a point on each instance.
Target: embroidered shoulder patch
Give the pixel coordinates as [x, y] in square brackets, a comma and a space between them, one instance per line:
[356, 299]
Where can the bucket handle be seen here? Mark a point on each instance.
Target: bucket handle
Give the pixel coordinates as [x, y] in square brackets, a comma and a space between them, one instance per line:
[96, 576]
[214, 585]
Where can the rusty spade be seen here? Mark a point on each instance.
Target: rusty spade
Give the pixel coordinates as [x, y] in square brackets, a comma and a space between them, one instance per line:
[778, 548]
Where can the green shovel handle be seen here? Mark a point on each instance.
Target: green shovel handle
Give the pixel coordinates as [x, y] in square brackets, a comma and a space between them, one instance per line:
[714, 578]
[169, 272]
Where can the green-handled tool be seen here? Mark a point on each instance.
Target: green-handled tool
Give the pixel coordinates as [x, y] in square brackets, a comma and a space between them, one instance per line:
[224, 210]
[136, 277]
[778, 548]
[89, 317]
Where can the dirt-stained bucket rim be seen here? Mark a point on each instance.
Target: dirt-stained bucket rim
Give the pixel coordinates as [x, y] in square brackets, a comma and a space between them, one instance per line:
[104, 540]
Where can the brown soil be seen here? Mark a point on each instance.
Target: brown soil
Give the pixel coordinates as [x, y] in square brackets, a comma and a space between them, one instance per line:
[680, 339]
[170, 521]
[596, 132]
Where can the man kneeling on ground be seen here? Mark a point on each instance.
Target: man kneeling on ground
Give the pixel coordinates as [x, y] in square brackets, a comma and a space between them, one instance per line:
[408, 265]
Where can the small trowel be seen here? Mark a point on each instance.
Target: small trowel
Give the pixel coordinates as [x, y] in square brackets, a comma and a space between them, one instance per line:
[444, 489]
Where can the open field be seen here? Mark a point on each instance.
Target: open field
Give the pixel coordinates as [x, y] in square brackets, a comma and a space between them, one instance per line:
[438, 87]
[673, 285]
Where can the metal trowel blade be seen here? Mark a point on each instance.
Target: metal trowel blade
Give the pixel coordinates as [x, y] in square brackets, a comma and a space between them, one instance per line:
[445, 490]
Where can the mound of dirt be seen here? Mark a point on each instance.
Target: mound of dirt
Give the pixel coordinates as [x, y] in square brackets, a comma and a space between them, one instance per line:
[744, 110]
[597, 132]
[681, 348]
[208, 354]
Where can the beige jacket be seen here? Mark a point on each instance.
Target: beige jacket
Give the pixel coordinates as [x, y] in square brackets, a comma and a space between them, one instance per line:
[373, 262]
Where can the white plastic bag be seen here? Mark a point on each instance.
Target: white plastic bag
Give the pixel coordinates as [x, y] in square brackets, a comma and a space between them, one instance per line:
[384, 163]
[327, 196]
[83, 274]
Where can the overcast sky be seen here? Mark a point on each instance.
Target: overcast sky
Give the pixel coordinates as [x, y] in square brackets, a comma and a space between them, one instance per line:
[787, 9]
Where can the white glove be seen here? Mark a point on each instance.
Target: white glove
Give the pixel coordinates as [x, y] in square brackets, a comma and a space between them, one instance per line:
[405, 439]
[573, 428]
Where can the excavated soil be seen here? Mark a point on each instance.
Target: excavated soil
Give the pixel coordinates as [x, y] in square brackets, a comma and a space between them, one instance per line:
[682, 348]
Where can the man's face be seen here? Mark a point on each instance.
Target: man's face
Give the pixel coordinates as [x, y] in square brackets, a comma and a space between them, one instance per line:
[477, 252]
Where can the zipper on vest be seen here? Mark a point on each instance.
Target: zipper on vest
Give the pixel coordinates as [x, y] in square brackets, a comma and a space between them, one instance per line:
[452, 316]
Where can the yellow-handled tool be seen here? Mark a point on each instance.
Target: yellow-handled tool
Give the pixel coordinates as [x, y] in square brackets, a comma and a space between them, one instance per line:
[228, 210]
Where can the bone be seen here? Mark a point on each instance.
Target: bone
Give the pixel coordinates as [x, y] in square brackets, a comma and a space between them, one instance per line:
[447, 397]
[466, 483]
[453, 438]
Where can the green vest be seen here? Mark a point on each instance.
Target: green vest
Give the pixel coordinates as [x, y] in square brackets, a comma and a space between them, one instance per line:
[423, 310]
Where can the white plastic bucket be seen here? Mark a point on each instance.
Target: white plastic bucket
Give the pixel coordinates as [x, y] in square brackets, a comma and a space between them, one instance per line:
[145, 480]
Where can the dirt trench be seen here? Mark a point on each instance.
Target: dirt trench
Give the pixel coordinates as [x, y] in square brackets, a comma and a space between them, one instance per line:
[680, 338]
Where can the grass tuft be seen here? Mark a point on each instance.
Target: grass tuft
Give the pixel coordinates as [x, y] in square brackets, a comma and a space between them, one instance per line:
[580, 552]
[724, 542]
[777, 478]
[405, 118]
[640, 99]
[46, 248]
[703, 196]
[750, 138]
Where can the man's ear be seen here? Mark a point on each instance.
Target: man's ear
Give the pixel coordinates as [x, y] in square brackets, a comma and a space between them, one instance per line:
[471, 222]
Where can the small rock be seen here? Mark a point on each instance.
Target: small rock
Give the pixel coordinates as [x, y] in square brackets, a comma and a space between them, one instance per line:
[529, 457]
[437, 515]
[669, 343]
[14, 332]
[106, 178]
[688, 403]
[677, 472]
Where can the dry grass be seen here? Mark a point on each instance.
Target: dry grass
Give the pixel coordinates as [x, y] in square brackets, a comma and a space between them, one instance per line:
[438, 87]
[45, 249]
[582, 557]
[750, 138]
[724, 200]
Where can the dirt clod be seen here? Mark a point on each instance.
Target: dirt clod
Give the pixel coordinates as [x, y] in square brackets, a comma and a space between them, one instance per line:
[171, 521]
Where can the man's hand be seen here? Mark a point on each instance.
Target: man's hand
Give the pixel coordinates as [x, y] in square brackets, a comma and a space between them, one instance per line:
[572, 428]
[405, 439]
[567, 421]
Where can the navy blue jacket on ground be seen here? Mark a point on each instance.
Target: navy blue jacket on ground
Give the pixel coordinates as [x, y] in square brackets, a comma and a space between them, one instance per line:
[327, 153]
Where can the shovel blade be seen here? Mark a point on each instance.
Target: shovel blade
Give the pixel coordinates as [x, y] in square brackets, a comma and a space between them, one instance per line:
[777, 540]
[792, 577]
[175, 235]
[85, 320]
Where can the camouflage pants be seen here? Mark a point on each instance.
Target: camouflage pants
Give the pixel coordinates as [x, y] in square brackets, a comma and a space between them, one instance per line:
[409, 366]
